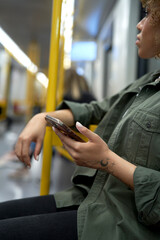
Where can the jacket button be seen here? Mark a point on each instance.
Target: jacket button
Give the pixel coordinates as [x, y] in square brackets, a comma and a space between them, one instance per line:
[148, 124]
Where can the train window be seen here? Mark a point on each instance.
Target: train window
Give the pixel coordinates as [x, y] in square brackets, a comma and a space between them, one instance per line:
[84, 51]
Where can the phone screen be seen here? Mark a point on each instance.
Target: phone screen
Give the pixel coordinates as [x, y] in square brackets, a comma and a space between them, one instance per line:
[62, 128]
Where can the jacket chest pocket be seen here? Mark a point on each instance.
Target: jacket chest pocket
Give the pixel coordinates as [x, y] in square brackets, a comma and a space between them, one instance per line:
[143, 142]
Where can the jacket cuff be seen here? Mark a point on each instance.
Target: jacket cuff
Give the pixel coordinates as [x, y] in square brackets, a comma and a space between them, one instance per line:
[147, 195]
[79, 110]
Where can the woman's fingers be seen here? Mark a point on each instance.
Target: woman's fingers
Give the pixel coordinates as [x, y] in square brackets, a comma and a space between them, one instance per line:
[38, 149]
[22, 151]
[85, 131]
[62, 137]
[33, 132]
[85, 154]
[68, 142]
[18, 148]
[70, 150]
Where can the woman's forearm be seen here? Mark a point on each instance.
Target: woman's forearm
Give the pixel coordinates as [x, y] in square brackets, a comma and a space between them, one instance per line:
[64, 115]
[119, 167]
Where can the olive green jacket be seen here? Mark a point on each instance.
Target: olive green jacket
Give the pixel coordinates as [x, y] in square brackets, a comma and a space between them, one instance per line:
[129, 123]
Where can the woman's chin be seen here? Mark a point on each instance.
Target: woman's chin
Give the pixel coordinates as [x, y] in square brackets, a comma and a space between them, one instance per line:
[143, 55]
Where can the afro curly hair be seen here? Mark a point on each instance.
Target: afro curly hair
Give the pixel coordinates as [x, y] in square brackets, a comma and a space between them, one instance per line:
[145, 3]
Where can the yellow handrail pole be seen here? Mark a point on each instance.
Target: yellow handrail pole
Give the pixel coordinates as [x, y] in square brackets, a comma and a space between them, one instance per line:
[61, 73]
[51, 94]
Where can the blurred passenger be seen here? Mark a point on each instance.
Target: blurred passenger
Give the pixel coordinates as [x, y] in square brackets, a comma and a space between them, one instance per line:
[116, 186]
[76, 88]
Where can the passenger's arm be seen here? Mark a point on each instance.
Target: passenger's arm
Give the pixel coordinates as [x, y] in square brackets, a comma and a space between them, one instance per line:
[89, 113]
[68, 112]
[144, 181]
[35, 131]
[96, 154]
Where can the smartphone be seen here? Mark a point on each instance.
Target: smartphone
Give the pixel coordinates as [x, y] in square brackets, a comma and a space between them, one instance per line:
[67, 131]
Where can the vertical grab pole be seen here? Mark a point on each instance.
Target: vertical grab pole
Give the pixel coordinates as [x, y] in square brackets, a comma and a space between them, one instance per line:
[51, 94]
[61, 73]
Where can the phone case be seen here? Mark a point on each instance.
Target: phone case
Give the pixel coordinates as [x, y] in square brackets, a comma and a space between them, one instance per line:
[63, 128]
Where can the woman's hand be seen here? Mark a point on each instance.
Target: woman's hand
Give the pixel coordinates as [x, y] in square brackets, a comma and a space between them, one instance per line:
[33, 132]
[96, 154]
[89, 154]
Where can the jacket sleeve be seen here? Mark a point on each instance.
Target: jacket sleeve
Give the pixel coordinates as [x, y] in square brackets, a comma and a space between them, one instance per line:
[90, 113]
[147, 195]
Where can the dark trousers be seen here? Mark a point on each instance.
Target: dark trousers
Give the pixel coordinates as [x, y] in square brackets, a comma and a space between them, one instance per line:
[37, 218]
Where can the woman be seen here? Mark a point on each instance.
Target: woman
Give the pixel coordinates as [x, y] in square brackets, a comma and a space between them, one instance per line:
[116, 191]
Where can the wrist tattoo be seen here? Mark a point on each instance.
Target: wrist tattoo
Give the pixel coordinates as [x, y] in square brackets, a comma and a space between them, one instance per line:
[104, 163]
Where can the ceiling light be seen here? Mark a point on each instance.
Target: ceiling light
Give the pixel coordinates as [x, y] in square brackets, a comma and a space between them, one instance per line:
[16, 52]
[41, 77]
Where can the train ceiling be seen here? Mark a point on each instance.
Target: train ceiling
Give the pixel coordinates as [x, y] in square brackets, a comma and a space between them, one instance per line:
[30, 20]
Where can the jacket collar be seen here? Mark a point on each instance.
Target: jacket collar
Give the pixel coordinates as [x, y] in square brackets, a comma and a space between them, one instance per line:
[156, 73]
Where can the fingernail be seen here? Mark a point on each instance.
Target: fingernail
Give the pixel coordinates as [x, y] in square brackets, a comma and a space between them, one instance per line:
[79, 124]
[37, 158]
[53, 129]
[29, 166]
